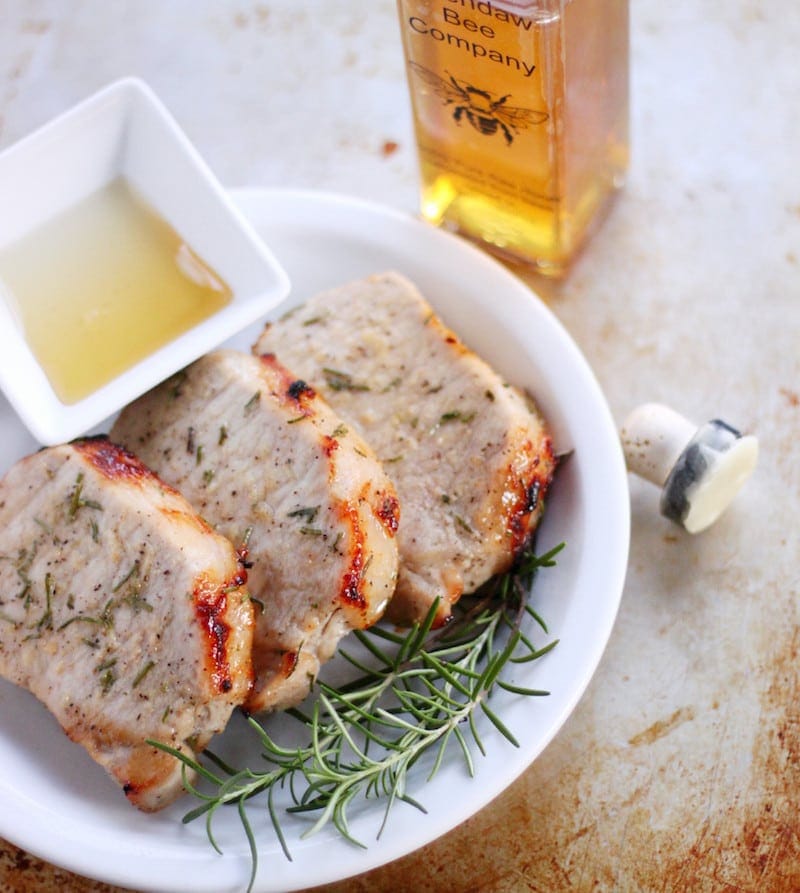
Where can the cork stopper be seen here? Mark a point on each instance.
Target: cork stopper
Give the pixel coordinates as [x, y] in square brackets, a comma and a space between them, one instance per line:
[699, 469]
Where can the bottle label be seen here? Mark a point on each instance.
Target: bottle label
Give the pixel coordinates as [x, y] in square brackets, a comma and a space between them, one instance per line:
[475, 36]
[479, 105]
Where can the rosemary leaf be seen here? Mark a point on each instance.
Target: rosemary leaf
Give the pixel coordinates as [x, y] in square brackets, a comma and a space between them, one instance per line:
[418, 693]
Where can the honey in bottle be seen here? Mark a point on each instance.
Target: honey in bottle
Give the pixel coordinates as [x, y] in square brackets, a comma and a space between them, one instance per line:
[521, 119]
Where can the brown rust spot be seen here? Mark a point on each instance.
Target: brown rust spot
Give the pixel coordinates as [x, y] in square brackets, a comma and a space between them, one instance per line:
[662, 727]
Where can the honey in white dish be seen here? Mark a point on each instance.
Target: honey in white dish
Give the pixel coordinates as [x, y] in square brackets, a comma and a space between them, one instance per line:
[521, 118]
[101, 286]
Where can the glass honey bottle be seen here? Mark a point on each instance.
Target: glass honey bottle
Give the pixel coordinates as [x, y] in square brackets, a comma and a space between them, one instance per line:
[521, 119]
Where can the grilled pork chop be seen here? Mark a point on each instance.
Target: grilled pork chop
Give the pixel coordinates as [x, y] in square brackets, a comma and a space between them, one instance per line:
[267, 462]
[121, 610]
[471, 461]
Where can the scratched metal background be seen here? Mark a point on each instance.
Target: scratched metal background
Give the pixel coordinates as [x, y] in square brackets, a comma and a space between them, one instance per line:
[680, 768]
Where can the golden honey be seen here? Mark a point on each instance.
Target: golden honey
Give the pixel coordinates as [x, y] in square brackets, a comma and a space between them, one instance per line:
[521, 118]
[101, 286]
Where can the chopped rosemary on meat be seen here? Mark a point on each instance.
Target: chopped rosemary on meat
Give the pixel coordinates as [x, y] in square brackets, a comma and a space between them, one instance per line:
[342, 381]
[456, 415]
[132, 574]
[109, 676]
[463, 524]
[46, 620]
[421, 692]
[77, 501]
[139, 677]
[252, 403]
[307, 513]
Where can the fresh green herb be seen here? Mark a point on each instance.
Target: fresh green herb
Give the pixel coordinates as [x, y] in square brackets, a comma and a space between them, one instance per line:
[415, 693]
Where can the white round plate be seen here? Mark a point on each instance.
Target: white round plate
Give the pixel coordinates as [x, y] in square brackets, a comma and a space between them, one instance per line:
[59, 805]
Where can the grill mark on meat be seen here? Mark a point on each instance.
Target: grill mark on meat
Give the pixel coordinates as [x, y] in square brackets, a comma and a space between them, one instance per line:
[352, 591]
[211, 604]
[523, 494]
[292, 390]
[298, 389]
[112, 460]
[388, 513]
[210, 608]
[289, 663]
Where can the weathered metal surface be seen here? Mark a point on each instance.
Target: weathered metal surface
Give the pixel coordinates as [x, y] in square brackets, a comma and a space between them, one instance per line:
[680, 768]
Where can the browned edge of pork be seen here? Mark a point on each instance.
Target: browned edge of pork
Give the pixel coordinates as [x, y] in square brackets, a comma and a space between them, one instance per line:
[470, 456]
[121, 610]
[266, 461]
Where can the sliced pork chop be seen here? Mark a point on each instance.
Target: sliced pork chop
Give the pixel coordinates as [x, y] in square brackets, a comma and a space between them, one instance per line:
[121, 610]
[267, 462]
[470, 458]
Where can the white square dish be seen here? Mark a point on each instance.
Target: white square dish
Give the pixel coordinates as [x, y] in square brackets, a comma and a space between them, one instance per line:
[124, 132]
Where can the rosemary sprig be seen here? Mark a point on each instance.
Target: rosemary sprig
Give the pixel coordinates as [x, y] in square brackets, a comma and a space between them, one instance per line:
[416, 695]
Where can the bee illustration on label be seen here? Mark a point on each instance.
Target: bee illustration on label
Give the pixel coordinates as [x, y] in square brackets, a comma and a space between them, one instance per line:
[482, 110]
